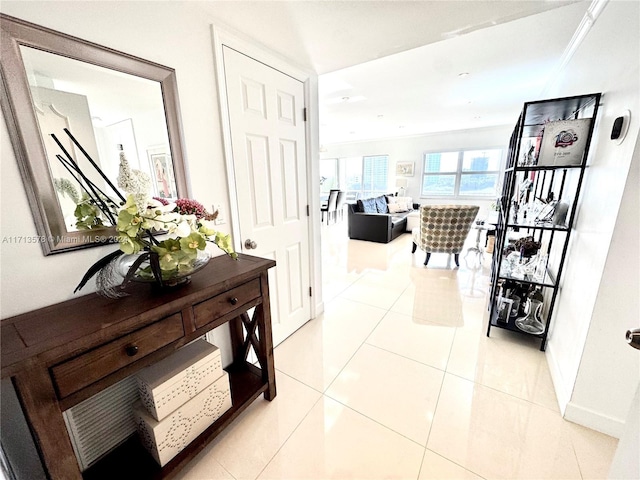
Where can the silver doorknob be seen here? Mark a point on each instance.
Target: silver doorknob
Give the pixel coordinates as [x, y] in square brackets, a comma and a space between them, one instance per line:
[633, 338]
[249, 244]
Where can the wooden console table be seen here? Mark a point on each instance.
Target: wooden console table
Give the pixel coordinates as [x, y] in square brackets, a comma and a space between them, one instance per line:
[61, 355]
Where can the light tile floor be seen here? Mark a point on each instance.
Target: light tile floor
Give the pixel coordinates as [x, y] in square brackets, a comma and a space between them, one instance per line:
[398, 380]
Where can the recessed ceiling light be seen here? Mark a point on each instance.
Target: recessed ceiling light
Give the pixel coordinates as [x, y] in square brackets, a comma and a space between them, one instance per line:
[336, 100]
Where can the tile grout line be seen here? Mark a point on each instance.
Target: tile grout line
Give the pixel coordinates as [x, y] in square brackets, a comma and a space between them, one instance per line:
[355, 351]
[299, 381]
[405, 357]
[364, 342]
[289, 436]
[386, 427]
[435, 412]
[504, 393]
[455, 463]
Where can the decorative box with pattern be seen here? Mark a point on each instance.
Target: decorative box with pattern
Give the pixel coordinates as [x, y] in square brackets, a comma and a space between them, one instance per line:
[165, 439]
[168, 384]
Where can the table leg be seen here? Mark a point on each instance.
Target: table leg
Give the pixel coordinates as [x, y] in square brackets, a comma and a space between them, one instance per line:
[38, 399]
[263, 312]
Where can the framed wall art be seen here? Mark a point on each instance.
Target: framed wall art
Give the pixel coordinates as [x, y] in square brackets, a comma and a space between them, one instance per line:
[564, 142]
[162, 179]
[404, 169]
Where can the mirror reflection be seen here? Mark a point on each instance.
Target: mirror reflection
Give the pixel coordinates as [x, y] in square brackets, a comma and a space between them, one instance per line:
[107, 112]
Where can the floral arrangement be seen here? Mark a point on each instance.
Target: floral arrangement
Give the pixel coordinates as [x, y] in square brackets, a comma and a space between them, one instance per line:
[176, 255]
[141, 221]
[527, 246]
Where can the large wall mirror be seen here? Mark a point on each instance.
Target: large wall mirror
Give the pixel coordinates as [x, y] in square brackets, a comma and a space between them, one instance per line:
[98, 103]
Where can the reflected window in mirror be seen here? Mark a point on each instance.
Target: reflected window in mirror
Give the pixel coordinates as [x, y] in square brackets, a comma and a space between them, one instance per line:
[106, 111]
[110, 102]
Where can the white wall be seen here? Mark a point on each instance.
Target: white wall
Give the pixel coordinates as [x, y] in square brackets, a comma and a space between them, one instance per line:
[608, 364]
[412, 149]
[176, 34]
[593, 373]
[166, 33]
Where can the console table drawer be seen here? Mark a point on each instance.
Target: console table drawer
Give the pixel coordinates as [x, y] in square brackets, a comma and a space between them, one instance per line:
[77, 373]
[209, 310]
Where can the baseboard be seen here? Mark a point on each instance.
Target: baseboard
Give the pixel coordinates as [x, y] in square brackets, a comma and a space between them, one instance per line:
[594, 420]
[562, 394]
[318, 309]
[575, 413]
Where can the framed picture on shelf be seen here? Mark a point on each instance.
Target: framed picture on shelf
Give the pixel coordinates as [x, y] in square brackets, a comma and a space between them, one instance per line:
[163, 182]
[505, 306]
[404, 169]
[563, 142]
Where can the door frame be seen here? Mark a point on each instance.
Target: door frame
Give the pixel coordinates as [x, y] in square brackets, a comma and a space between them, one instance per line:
[251, 48]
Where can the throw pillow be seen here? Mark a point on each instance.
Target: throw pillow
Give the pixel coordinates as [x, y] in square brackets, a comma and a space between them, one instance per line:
[369, 205]
[381, 204]
[397, 207]
[406, 200]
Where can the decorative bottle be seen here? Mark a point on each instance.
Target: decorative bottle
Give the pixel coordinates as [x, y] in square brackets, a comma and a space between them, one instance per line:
[532, 321]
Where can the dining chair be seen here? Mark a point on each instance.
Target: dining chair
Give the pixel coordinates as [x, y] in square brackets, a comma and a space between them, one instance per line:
[331, 205]
[340, 203]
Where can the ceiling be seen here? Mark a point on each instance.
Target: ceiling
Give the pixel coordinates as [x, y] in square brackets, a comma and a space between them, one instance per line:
[328, 35]
[391, 68]
[480, 79]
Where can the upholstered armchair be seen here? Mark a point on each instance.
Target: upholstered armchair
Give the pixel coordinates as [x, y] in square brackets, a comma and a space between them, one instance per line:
[443, 229]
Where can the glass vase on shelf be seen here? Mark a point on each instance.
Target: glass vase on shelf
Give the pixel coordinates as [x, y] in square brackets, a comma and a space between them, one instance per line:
[541, 267]
[532, 321]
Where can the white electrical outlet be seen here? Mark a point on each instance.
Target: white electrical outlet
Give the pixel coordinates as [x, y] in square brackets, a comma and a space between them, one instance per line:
[219, 219]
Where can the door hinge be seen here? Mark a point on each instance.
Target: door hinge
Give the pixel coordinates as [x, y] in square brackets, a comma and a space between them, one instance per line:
[310, 292]
[308, 212]
[304, 114]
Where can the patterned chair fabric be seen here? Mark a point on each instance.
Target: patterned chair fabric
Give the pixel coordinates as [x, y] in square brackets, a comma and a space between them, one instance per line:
[444, 228]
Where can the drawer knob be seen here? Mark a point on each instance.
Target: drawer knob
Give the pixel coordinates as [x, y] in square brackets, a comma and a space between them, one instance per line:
[233, 300]
[131, 350]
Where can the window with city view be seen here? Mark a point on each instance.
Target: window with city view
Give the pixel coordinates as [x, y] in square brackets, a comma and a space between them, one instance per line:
[464, 173]
[360, 177]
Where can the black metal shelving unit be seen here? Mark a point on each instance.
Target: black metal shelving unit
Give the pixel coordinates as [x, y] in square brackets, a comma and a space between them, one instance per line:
[561, 183]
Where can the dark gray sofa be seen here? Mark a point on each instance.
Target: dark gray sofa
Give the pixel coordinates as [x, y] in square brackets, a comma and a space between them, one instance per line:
[375, 227]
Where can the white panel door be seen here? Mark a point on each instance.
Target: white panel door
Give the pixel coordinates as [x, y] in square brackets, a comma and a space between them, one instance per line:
[268, 143]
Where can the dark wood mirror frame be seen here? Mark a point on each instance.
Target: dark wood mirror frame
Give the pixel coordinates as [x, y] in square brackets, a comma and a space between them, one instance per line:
[25, 132]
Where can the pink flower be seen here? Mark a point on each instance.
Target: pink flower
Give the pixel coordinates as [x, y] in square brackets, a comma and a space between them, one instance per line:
[186, 206]
[161, 200]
